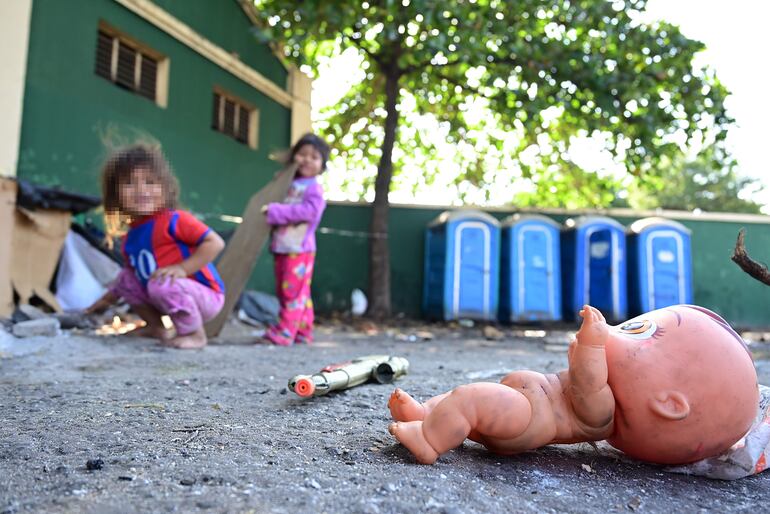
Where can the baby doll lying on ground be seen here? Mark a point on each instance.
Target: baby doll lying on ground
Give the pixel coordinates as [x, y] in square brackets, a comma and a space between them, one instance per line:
[671, 386]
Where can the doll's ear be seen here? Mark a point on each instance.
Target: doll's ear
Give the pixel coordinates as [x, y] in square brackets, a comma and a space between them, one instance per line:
[671, 405]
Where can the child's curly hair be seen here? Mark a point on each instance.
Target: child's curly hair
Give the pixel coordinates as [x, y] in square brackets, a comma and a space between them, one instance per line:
[117, 171]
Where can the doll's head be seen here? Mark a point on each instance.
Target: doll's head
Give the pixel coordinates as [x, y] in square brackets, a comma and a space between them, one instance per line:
[684, 384]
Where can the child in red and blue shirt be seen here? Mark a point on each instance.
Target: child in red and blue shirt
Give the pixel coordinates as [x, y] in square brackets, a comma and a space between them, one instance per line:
[168, 252]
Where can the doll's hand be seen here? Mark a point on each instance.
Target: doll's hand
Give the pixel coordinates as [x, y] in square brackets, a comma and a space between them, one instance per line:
[264, 209]
[594, 330]
[169, 272]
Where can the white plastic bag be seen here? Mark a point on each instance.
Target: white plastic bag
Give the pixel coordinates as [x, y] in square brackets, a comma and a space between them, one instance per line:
[84, 273]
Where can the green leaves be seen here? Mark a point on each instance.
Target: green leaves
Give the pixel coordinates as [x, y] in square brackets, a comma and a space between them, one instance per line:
[500, 78]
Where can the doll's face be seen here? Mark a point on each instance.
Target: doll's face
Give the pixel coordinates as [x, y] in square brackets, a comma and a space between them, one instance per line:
[684, 385]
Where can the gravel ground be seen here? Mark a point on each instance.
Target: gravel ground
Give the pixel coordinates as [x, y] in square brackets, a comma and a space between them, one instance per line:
[216, 431]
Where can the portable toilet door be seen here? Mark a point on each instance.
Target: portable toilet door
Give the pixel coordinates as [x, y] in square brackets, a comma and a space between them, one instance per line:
[594, 267]
[659, 264]
[462, 270]
[530, 276]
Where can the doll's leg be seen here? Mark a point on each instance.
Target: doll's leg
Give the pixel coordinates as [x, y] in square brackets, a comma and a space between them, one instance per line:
[405, 408]
[490, 410]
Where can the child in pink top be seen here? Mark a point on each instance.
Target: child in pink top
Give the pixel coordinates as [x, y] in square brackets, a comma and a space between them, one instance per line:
[293, 242]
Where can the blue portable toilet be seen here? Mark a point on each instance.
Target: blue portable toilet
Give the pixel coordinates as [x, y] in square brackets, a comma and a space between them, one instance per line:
[462, 255]
[530, 276]
[659, 264]
[594, 267]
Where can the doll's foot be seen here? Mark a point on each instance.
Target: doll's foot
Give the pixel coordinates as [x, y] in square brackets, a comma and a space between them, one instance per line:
[405, 408]
[410, 435]
[188, 341]
[594, 330]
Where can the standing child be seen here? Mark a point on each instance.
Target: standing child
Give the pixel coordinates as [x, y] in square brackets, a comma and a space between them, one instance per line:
[293, 244]
[168, 252]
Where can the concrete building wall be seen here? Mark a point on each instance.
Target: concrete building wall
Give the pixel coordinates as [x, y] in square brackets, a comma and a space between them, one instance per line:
[72, 116]
[14, 38]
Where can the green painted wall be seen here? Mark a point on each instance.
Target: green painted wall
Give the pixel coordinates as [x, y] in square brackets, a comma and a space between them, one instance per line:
[69, 110]
[224, 23]
[342, 262]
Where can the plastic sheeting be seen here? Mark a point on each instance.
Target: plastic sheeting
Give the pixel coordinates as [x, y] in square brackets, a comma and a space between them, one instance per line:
[84, 273]
[748, 456]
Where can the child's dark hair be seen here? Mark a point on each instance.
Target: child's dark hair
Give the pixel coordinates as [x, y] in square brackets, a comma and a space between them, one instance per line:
[117, 171]
[314, 141]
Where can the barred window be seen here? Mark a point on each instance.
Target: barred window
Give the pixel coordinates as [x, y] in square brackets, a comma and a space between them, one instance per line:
[131, 65]
[234, 118]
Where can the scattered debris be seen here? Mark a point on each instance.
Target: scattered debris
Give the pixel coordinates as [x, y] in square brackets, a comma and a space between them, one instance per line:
[467, 323]
[70, 320]
[420, 335]
[144, 406]
[45, 327]
[118, 327]
[635, 503]
[94, 464]
[187, 481]
[125, 478]
[257, 308]
[492, 333]
[587, 468]
[358, 302]
[29, 312]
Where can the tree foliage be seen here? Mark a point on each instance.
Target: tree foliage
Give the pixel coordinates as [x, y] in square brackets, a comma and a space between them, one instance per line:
[709, 183]
[545, 73]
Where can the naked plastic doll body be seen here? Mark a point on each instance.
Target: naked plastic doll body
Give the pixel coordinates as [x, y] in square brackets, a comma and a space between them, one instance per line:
[671, 386]
[526, 410]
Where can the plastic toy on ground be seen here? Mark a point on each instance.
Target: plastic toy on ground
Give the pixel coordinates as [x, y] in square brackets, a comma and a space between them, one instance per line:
[672, 386]
[384, 369]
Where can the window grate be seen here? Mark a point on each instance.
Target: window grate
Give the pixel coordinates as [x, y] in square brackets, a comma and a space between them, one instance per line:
[234, 118]
[126, 66]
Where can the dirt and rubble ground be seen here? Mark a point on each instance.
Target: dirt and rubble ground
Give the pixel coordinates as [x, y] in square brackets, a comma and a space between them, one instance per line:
[216, 431]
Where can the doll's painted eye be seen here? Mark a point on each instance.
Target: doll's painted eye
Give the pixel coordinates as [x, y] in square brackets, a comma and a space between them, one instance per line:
[639, 329]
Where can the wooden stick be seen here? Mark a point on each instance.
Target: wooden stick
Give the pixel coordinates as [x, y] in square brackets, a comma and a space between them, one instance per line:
[245, 246]
[746, 263]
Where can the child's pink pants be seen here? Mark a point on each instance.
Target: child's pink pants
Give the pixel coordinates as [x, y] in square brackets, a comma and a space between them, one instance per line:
[293, 275]
[187, 302]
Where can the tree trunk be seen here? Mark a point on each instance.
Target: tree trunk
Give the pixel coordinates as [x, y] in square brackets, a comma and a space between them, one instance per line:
[379, 249]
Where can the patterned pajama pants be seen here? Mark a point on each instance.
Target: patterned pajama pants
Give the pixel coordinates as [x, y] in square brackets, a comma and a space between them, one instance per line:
[293, 274]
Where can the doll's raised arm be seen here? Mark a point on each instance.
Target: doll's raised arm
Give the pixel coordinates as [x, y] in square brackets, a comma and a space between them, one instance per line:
[589, 393]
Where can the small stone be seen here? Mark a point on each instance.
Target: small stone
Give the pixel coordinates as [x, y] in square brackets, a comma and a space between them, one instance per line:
[125, 478]
[94, 464]
[314, 484]
[46, 327]
[31, 312]
[493, 333]
[187, 481]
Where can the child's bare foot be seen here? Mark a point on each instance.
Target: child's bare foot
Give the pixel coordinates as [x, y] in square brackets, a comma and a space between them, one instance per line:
[194, 340]
[152, 332]
[410, 435]
[405, 408]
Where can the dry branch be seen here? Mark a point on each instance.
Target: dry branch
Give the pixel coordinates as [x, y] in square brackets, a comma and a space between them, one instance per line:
[747, 264]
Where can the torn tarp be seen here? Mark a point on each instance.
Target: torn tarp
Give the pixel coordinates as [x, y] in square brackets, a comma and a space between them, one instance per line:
[259, 306]
[32, 196]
